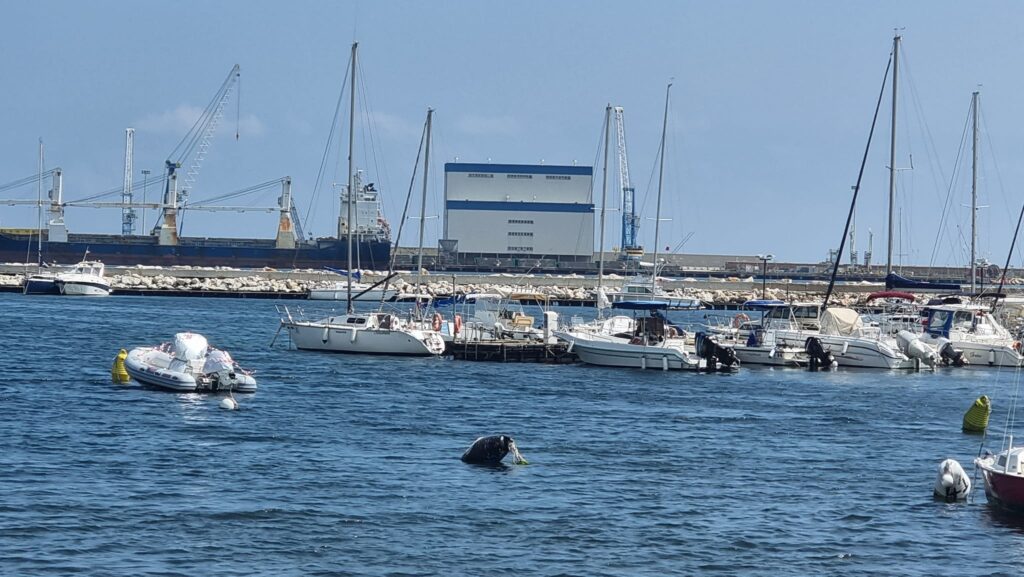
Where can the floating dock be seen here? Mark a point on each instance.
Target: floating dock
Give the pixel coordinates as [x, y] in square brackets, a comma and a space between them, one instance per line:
[511, 352]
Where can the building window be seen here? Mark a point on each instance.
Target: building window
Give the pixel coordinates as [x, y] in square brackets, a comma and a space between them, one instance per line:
[518, 176]
[519, 221]
[480, 175]
[519, 233]
[520, 249]
[558, 177]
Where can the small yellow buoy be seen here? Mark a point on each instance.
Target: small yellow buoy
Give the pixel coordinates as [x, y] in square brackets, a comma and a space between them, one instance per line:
[976, 418]
[118, 372]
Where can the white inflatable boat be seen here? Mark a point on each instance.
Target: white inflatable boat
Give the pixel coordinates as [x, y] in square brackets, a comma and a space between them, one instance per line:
[188, 364]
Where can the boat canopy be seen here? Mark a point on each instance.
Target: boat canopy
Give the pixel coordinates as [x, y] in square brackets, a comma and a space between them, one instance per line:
[840, 321]
[895, 281]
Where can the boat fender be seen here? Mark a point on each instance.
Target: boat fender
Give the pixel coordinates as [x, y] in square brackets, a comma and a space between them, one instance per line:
[976, 417]
[738, 320]
[117, 372]
[229, 403]
[952, 482]
[458, 324]
[436, 324]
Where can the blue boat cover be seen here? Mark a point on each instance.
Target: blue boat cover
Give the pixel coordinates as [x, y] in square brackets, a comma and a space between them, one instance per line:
[894, 281]
[763, 303]
[356, 275]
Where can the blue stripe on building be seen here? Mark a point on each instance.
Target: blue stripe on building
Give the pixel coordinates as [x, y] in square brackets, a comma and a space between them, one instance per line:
[519, 169]
[519, 206]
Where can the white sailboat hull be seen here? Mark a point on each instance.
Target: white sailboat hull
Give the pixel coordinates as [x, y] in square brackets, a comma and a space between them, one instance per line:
[321, 336]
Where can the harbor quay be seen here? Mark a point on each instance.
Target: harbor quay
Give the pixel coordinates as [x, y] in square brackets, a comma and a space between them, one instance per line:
[571, 289]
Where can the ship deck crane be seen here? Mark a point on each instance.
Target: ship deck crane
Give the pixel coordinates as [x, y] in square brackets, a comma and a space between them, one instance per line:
[631, 250]
[192, 150]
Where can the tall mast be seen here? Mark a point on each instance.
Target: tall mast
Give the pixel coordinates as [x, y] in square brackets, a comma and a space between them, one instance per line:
[423, 208]
[974, 189]
[351, 174]
[892, 151]
[39, 207]
[604, 199]
[661, 173]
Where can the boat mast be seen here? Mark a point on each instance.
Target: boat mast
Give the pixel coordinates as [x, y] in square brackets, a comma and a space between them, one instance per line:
[39, 207]
[604, 199]
[423, 210]
[351, 175]
[892, 150]
[661, 173]
[974, 189]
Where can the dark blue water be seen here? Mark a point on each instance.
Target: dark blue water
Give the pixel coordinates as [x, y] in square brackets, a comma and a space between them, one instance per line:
[350, 465]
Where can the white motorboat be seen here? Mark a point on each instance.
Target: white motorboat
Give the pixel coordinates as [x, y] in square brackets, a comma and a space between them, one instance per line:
[188, 364]
[853, 344]
[378, 333]
[85, 279]
[973, 330]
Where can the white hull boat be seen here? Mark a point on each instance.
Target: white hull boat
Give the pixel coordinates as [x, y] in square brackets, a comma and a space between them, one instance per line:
[188, 365]
[974, 331]
[85, 279]
[360, 293]
[373, 333]
[610, 351]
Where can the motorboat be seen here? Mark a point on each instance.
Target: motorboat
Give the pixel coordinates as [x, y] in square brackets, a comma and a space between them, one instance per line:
[84, 279]
[491, 317]
[188, 364]
[654, 343]
[380, 333]
[844, 334]
[973, 330]
[643, 288]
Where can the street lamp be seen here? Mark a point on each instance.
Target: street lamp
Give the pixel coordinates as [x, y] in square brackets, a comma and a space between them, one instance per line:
[764, 258]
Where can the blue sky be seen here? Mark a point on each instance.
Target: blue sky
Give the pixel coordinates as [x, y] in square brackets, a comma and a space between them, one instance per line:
[771, 107]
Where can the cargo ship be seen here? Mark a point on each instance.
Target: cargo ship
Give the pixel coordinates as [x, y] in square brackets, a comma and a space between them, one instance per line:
[371, 244]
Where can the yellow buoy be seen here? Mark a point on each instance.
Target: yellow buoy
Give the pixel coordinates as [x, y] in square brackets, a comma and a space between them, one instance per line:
[976, 418]
[118, 372]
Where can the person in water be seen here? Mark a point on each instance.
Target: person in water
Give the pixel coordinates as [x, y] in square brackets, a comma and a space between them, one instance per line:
[491, 450]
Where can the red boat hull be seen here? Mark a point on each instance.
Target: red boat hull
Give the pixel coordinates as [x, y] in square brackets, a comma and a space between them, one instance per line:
[1004, 489]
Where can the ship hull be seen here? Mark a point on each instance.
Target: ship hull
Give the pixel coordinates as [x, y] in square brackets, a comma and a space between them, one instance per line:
[237, 253]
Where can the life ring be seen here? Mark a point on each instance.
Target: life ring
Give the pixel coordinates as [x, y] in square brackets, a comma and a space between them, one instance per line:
[436, 324]
[738, 320]
[458, 323]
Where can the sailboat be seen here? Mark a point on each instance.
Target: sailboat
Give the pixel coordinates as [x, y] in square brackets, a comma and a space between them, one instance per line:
[843, 333]
[651, 341]
[376, 332]
[40, 283]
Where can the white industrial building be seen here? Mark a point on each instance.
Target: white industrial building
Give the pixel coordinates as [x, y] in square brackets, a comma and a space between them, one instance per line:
[521, 212]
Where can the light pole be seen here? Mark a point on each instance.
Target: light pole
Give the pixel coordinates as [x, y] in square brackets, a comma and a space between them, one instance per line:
[145, 185]
[764, 258]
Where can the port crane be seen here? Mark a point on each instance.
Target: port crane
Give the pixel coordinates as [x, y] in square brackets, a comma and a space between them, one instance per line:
[631, 250]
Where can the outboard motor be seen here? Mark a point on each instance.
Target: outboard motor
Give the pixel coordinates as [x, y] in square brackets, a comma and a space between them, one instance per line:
[950, 355]
[912, 346]
[819, 356]
[716, 356]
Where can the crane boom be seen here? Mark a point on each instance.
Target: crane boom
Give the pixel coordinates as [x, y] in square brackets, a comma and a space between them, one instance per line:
[630, 223]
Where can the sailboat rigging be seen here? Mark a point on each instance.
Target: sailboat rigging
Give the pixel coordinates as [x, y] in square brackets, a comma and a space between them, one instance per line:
[377, 332]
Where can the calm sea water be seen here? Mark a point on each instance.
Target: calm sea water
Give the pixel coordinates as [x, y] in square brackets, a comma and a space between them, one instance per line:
[346, 465]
